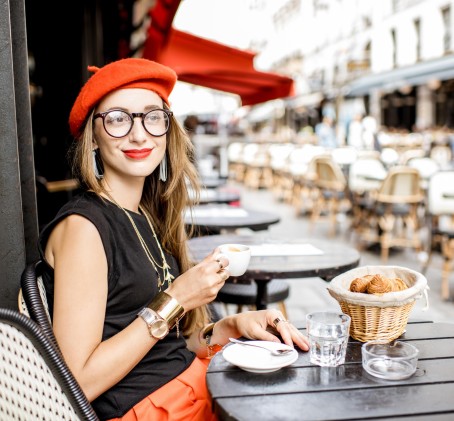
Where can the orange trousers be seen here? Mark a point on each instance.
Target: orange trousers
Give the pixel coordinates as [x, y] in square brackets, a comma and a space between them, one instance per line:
[184, 398]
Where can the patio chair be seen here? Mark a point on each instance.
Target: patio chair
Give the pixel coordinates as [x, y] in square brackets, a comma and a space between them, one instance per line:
[389, 157]
[442, 154]
[301, 176]
[33, 300]
[364, 178]
[440, 218]
[344, 156]
[279, 160]
[234, 156]
[256, 160]
[426, 167]
[393, 217]
[36, 383]
[332, 196]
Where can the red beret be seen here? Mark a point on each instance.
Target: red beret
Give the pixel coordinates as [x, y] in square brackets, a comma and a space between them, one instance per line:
[124, 73]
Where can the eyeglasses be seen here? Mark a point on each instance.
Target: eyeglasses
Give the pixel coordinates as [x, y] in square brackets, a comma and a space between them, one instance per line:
[118, 123]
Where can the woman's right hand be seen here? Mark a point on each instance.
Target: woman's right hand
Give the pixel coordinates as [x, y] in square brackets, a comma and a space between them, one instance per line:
[200, 284]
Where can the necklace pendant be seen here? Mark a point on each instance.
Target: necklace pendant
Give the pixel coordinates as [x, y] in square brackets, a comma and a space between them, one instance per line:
[168, 276]
[160, 283]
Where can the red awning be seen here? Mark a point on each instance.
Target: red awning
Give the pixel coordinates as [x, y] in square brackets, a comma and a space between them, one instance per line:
[207, 63]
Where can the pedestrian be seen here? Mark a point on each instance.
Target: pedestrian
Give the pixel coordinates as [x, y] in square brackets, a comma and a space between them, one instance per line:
[129, 309]
[326, 133]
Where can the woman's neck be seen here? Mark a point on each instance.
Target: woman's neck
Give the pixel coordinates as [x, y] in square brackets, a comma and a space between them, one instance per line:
[126, 193]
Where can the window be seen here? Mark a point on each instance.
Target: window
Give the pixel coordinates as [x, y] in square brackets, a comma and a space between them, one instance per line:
[394, 46]
[446, 14]
[417, 24]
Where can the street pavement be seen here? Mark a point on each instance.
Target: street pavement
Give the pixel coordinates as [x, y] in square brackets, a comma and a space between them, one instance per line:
[310, 294]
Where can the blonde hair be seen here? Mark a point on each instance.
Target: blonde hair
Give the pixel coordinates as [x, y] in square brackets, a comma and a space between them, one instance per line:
[165, 202]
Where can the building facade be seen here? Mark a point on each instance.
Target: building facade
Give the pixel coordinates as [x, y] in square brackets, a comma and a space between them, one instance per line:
[391, 59]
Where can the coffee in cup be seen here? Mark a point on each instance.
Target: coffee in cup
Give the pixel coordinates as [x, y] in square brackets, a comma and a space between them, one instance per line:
[239, 256]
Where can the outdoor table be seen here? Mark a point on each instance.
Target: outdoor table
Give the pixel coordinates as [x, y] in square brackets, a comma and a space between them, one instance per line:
[214, 219]
[221, 195]
[303, 391]
[212, 182]
[281, 258]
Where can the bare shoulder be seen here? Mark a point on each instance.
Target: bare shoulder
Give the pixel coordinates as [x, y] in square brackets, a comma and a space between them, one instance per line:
[75, 225]
[74, 234]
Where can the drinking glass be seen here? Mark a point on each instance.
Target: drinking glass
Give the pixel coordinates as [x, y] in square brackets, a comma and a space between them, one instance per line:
[328, 337]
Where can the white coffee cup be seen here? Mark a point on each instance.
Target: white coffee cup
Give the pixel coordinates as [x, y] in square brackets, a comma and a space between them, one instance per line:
[238, 255]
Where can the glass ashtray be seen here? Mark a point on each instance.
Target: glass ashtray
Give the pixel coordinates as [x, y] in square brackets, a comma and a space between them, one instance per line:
[389, 360]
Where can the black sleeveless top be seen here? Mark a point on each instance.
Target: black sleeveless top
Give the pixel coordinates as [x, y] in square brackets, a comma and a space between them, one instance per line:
[132, 284]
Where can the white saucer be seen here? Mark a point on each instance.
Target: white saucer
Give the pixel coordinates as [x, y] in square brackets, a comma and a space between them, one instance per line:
[258, 360]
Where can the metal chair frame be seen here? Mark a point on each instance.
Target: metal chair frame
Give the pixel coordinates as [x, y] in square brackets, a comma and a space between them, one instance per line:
[33, 305]
[36, 383]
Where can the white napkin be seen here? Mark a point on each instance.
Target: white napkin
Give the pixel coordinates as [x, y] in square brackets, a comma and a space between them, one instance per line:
[219, 212]
[285, 250]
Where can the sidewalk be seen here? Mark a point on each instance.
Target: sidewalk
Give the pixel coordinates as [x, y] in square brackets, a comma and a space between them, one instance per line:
[310, 294]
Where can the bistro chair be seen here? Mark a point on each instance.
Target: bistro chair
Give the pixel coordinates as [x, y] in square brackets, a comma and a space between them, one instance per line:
[256, 159]
[409, 154]
[234, 156]
[393, 216]
[294, 177]
[279, 160]
[35, 382]
[33, 304]
[389, 157]
[245, 295]
[364, 179]
[331, 191]
[366, 175]
[345, 156]
[442, 154]
[32, 299]
[426, 167]
[301, 176]
[440, 220]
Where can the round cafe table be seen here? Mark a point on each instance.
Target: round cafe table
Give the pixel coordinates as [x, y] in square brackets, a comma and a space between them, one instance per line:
[216, 219]
[281, 258]
[220, 195]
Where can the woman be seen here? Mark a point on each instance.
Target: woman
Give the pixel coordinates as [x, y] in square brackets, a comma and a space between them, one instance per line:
[129, 308]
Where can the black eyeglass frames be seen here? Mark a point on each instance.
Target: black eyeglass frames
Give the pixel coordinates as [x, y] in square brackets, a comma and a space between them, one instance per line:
[118, 123]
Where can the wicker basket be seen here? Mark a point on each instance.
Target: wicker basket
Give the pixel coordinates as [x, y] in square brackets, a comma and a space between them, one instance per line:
[376, 317]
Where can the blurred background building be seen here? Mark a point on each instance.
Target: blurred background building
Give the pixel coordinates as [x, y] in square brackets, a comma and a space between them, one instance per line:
[391, 60]
[254, 70]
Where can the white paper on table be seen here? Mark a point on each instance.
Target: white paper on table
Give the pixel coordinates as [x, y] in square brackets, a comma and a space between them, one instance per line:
[218, 213]
[285, 250]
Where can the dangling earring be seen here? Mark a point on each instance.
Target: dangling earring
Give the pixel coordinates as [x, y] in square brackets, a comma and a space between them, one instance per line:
[163, 169]
[97, 165]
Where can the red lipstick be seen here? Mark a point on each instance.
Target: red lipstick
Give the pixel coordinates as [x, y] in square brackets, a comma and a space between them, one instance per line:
[137, 153]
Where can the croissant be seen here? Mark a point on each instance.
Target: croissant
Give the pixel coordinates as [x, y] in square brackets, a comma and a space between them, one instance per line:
[377, 284]
[360, 284]
[399, 284]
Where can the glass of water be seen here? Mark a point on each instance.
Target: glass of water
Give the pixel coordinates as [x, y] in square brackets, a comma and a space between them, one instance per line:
[328, 337]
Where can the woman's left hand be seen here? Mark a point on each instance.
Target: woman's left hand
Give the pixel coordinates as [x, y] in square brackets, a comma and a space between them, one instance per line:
[254, 325]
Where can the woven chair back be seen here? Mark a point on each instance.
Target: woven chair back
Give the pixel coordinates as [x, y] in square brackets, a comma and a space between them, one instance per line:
[401, 185]
[35, 383]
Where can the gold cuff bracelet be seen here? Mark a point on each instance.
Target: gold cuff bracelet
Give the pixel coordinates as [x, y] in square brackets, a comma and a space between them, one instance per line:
[168, 308]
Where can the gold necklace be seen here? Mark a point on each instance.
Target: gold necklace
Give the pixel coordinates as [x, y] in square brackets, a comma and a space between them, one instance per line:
[165, 266]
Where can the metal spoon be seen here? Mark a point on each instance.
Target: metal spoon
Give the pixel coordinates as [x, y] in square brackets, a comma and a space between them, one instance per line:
[277, 352]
